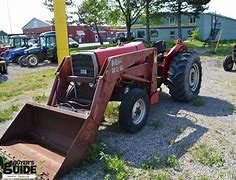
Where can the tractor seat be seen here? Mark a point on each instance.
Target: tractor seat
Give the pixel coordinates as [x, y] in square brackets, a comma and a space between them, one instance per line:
[161, 46]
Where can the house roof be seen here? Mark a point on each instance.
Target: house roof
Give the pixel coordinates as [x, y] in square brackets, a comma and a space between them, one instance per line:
[36, 23]
[2, 33]
[219, 15]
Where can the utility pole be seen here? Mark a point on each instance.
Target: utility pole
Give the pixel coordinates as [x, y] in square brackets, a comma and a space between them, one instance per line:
[9, 17]
[61, 29]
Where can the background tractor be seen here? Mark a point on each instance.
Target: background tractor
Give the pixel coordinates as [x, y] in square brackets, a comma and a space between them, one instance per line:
[18, 44]
[230, 60]
[16, 41]
[46, 50]
[61, 133]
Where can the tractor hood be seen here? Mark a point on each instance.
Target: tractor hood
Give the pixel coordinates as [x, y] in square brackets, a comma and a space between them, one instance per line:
[12, 52]
[32, 50]
[9, 55]
[17, 50]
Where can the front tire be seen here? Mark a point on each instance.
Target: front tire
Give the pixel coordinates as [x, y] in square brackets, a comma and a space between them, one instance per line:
[185, 76]
[133, 111]
[32, 60]
[228, 63]
[3, 67]
[22, 61]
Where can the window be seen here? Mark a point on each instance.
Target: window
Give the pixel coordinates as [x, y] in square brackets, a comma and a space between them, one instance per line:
[42, 41]
[17, 43]
[154, 33]
[172, 34]
[22, 42]
[141, 34]
[51, 41]
[192, 20]
[171, 20]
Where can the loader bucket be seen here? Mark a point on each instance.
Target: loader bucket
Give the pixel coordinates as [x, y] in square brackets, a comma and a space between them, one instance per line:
[45, 135]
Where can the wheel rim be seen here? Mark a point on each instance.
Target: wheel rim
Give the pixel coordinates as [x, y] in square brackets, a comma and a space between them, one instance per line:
[194, 76]
[138, 111]
[33, 61]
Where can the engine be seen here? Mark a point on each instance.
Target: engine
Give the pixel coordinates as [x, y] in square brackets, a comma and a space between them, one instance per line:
[85, 69]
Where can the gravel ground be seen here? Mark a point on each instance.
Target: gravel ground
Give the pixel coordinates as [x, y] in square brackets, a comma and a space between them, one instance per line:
[211, 123]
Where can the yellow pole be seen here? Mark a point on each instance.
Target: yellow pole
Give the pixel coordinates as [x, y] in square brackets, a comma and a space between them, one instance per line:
[61, 29]
[218, 42]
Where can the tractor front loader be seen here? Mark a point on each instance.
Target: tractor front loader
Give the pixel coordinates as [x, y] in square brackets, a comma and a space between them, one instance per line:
[57, 136]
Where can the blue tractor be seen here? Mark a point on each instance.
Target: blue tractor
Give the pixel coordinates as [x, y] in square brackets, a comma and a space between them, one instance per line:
[45, 50]
[18, 44]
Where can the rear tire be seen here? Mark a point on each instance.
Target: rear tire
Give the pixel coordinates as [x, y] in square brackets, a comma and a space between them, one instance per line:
[228, 63]
[32, 60]
[133, 111]
[185, 76]
[3, 67]
[22, 61]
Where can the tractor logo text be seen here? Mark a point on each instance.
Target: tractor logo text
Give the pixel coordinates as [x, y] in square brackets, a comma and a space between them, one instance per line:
[116, 65]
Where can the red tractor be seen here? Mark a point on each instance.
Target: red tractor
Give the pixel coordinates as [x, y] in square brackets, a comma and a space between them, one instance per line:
[230, 60]
[60, 134]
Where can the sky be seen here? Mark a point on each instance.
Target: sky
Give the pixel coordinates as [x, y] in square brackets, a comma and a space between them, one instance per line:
[16, 13]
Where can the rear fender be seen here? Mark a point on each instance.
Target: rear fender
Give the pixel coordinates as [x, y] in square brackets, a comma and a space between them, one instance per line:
[180, 46]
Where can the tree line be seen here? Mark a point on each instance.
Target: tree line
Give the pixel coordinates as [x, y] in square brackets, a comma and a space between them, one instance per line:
[117, 12]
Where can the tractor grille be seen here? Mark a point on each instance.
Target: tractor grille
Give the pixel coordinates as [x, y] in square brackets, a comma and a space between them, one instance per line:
[82, 65]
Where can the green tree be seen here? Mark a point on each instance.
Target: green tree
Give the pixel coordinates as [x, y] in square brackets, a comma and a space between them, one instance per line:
[94, 13]
[69, 10]
[187, 7]
[130, 11]
[151, 8]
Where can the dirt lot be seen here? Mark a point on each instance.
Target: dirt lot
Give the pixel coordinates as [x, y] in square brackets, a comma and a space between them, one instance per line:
[180, 141]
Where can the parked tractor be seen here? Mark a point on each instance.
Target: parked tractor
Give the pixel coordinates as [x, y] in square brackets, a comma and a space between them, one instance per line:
[46, 50]
[230, 60]
[60, 134]
[18, 44]
[16, 41]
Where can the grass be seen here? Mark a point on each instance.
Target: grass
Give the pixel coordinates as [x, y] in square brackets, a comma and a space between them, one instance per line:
[26, 83]
[7, 114]
[40, 98]
[207, 155]
[233, 131]
[197, 102]
[112, 110]
[201, 178]
[172, 161]
[158, 161]
[114, 167]
[179, 129]
[195, 44]
[156, 123]
[159, 175]
[94, 152]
